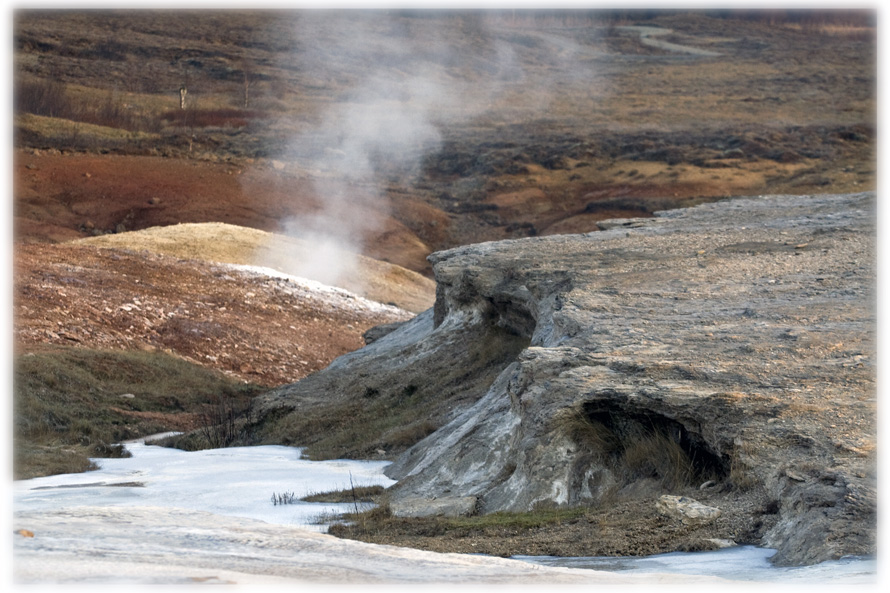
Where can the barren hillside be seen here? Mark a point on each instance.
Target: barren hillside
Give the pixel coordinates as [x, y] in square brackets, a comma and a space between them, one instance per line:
[261, 328]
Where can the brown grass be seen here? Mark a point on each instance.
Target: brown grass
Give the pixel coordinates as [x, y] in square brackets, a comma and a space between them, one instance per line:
[68, 403]
[51, 98]
[635, 451]
[357, 494]
[206, 118]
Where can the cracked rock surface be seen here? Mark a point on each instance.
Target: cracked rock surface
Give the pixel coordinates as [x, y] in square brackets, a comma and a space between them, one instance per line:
[730, 346]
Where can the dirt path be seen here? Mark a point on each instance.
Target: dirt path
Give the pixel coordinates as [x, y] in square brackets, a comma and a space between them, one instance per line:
[648, 34]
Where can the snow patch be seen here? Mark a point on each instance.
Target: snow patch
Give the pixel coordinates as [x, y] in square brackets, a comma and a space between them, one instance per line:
[305, 288]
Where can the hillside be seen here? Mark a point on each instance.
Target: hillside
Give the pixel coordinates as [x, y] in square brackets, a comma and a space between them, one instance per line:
[114, 343]
[402, 133]
[224, 243]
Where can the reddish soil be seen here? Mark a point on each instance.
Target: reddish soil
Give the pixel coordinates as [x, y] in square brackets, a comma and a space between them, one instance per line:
[252, 327]
[59, 197]
[780, 107]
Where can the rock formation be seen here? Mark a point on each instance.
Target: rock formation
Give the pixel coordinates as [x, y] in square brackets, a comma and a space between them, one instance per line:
[726, 349]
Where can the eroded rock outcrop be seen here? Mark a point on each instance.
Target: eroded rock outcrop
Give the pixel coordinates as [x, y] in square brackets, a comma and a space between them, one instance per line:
[730, 344]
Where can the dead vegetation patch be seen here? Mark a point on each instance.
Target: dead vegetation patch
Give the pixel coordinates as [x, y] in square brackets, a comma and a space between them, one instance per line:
[73, 403]
[256, 328]
[626, 528]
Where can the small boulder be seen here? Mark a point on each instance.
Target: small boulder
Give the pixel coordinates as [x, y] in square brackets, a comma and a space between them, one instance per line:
[378, 331]
[688, 510]
[720, 543]
[462, 506]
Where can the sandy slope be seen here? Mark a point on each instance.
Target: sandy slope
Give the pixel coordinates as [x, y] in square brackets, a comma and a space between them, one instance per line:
[226, 243]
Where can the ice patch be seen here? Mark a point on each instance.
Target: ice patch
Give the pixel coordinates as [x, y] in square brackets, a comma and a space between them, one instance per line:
[237, 482]
[305, 288]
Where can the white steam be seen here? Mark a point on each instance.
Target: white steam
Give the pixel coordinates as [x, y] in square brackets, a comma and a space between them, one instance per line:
[386, 125]
[394, 82]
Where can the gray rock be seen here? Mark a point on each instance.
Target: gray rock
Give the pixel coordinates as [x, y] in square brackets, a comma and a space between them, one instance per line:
[717, 543]
[378, 331]
[687, 510]
[700, 345]
[462, 506]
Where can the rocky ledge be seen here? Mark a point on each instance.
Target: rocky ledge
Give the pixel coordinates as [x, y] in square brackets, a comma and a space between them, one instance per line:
[724, 352]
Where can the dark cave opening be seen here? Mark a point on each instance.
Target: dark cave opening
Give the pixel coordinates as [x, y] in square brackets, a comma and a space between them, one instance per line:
[640, 444]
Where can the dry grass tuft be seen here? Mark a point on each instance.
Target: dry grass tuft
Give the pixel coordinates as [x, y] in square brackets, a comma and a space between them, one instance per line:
[656, 454]
[635, 451]
[362, 494]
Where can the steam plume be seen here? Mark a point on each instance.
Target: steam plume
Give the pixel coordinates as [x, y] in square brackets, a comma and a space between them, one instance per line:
[406, 78]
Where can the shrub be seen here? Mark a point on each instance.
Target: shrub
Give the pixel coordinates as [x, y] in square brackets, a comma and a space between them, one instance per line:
[225, 422]
[283, 498]
[51, 98]
[43, 97]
